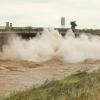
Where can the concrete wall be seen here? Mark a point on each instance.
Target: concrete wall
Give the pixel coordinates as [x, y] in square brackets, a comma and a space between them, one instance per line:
[3, 40]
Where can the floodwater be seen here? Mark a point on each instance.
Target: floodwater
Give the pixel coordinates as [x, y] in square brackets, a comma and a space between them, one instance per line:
[20, 75]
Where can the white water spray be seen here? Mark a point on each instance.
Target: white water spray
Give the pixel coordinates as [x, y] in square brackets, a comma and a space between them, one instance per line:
[51, 44]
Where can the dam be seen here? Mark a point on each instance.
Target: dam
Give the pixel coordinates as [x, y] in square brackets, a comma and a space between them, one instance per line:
[26, 32]
[23, 32]
[30, 32]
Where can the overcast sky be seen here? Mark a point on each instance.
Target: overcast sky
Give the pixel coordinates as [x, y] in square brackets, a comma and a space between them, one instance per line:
[47, 13]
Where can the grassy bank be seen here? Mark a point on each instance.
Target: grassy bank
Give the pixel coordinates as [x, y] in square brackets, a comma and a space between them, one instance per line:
[80, 86]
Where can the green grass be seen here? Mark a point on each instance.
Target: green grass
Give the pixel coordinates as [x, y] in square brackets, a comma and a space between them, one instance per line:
[80, 86]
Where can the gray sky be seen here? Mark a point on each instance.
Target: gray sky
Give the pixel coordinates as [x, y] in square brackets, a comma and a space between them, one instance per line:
[47, 13]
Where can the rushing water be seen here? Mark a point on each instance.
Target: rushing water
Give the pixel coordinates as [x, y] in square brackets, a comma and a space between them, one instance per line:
[51, 44]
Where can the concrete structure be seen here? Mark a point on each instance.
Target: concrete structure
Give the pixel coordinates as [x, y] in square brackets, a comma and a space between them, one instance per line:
[7, 24]
[29, 32]
[10, 25]
[63, 22]
[26, 32]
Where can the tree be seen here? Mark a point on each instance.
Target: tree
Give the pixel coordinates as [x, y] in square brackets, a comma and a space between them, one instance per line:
[73, 25]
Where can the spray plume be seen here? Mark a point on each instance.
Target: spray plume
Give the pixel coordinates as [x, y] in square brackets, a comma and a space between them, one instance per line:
[51, 44]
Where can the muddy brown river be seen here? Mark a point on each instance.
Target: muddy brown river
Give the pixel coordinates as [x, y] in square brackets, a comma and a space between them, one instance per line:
[20, 75]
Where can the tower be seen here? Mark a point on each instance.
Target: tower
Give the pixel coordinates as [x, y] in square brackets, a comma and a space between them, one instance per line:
[7, 24]
[63, 22]
[10, 25]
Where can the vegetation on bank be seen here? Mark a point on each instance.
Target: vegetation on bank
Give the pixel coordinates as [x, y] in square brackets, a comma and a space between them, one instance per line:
[79, 86]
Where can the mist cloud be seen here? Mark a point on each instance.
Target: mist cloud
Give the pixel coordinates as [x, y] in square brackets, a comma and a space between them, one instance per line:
[50, 45]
